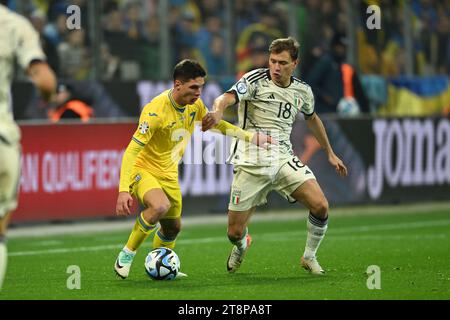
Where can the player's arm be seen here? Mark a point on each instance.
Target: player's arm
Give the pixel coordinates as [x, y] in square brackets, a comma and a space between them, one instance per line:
[226, 128]
[124, 200]
[241, 90]
[220, 104]
[31, 58]
[260, 139]
[43, 78]
[316, 126]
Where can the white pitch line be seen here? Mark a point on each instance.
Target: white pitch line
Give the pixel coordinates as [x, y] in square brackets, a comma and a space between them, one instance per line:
[271, 237]
[274, 236]
[64, 250]
[394, 226]
[281, 215]
[390, 237]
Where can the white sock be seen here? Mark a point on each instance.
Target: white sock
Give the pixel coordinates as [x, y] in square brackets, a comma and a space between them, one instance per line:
[316, 232]
[129, 251]
[3, 261]
[242, 244]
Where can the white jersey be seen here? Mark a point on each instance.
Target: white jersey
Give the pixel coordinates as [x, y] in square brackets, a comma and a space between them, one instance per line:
[271, 109]
[18, 40]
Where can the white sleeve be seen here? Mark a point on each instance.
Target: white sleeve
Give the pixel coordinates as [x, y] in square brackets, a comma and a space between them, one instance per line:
[243, 89]
[307, 107]
[27, 44]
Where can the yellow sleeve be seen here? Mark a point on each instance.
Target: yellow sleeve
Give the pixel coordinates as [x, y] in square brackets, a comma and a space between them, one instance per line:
[202, 110]
[225, 127]
[229, 129]
[149, 122]
[128, 159]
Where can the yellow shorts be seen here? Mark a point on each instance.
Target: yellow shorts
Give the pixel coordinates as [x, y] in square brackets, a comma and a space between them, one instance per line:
[143, 181]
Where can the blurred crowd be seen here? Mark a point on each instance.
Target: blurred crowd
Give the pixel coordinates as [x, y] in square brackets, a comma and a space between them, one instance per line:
[383, 51]
[131, 32]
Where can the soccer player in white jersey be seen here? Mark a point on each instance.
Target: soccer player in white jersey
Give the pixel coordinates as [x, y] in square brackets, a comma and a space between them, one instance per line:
[18, 40]
[270, 100]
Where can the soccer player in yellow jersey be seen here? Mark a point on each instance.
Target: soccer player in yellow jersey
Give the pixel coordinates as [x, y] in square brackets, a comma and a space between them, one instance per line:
[150, 163]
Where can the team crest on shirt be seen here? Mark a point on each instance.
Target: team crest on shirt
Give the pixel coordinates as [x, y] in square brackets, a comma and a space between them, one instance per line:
[296, 100]
[236, 196]
[241, 87]
[143, 127]
[171, 125]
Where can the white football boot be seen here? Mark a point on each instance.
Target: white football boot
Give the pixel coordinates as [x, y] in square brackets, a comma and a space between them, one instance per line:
[312, 265]
[123, 263]
[236, 256]
[181, 275]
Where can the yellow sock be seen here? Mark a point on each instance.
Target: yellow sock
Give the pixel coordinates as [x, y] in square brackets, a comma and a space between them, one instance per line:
[159, 240]
[141, 230]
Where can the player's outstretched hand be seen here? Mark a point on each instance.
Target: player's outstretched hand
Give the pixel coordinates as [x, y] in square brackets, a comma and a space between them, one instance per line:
[262, 140]
[338, 165]
[124, 204]
[211, 119]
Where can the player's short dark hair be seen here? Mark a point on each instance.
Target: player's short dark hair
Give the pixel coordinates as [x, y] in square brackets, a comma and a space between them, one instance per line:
[285, 44]
[188, 69]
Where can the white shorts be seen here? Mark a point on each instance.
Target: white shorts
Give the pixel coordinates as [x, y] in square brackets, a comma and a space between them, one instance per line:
[251, 186]
[9, 176]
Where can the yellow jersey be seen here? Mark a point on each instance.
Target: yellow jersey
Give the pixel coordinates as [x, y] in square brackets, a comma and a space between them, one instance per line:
[160, 140]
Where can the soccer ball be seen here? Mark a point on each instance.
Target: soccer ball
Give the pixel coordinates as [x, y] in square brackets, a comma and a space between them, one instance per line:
[348, 107]
[162, 264]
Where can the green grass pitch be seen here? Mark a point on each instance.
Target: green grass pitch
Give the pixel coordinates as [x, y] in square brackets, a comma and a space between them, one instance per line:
[412, 250]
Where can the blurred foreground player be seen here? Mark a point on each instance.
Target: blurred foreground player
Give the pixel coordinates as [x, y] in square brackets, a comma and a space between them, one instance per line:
[18, 40]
